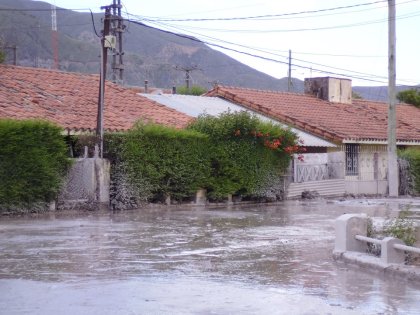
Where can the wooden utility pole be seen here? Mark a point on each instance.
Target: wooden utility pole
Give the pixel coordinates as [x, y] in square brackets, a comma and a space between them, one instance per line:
[102, 76]
[54, 36]
[117, 28]
[289, 76]
[187, 71]
[392, 119]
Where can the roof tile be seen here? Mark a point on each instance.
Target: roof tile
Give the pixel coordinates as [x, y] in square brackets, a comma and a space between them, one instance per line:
[70, 100]
[361, 120]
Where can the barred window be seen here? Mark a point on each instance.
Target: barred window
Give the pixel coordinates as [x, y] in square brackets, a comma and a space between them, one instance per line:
[352, 159]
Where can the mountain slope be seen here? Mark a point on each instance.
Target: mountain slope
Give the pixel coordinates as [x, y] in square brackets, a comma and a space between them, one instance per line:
[149, 53]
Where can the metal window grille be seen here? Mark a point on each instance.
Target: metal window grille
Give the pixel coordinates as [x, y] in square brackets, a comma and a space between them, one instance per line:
[352, 159]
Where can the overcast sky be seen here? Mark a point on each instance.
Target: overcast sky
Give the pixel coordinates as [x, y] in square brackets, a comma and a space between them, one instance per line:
[351, 41]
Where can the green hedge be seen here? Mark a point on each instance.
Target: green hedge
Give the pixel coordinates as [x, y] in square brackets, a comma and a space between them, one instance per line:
[412, 155]
[160, 160]
[235, 153]
[245, 152]
[33, 162]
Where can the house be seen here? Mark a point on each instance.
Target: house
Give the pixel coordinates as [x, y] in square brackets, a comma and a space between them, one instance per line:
[329, 181]
[197, 105]
[326, 110]
[71, 101]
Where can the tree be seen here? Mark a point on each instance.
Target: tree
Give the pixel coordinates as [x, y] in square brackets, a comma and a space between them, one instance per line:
[2, 56]
[411, 96]
[194, 90]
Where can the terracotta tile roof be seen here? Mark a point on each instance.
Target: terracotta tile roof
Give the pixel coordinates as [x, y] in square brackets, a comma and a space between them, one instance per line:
[70, 100]
[361, 120]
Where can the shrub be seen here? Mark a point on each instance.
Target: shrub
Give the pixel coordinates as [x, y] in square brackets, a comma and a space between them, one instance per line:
[245, 152]
[33, 163]
[402, 228]
[235, 153]
[412, 155]
[161, 160]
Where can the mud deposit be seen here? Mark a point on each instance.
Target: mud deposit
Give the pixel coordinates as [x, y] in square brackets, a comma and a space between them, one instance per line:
[274, 259]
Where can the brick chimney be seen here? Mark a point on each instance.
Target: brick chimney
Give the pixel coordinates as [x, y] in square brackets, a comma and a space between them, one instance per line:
[335, 90]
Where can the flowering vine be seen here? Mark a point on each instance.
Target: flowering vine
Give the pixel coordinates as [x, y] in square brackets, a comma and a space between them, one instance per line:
[275, 143]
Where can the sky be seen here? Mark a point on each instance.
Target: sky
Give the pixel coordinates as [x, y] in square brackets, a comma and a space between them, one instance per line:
[339, 37]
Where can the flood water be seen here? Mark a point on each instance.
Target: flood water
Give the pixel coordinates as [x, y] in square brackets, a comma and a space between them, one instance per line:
[253, 259]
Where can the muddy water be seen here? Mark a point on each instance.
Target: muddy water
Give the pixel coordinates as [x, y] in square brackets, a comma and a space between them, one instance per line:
[240, 260]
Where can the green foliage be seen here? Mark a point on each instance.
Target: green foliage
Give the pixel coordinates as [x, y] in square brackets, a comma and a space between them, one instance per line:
[402, 228]
[412, 155]
[244, 152]
[194, 90]
[161, 161]
[2, 56]
[235, 153]
[411, 96]
[33, 162]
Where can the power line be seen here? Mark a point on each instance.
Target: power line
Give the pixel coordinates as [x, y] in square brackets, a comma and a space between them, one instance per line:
[41, 10]
[270, 15]
[282, 56]
[258, 56]
[267, 31]
[243, 52]
[366, 75]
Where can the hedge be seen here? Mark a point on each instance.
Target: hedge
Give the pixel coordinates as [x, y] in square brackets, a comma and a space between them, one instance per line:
[245, 152]
[412, 155]
[235, 153]
[33, 162]
[160, 161]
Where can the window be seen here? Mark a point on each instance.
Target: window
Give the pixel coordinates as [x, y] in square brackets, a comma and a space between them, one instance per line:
[352, 159]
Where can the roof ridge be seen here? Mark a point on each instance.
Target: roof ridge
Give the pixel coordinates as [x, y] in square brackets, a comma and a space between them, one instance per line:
[262, 90]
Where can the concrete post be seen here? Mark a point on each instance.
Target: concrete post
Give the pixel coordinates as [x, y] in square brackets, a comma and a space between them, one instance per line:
[168, 200]
[229, 199]
[347, 227]
[200, 197]
[389, 254]
[102, 171]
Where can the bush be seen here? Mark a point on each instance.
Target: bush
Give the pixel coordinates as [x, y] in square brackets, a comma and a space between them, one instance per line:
[245, 153]
[402, 228]
[235, 153]
[412, 155]
[161, 161]
[33, 163]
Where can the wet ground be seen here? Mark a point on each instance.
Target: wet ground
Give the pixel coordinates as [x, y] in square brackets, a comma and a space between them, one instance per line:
[253, 259]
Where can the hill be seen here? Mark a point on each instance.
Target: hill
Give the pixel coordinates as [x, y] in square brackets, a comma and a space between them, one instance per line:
[149, 53]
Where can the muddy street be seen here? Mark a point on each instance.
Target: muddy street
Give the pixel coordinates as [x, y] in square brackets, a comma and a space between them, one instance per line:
[252, 259]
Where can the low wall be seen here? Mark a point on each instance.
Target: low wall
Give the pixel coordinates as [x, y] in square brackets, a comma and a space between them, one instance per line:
[369, 187]
[351, 247]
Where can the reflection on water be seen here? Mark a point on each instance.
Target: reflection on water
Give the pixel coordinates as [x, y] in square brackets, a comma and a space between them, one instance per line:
[277, 248]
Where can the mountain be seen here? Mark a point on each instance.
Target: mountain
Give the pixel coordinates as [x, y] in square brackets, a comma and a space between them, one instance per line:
[149, 54]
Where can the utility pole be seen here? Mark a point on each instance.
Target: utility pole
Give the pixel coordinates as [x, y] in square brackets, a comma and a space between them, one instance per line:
[117, 28]
[102, 76]
[187, 71]
[54, 35]
[392, 119]
[289, 79]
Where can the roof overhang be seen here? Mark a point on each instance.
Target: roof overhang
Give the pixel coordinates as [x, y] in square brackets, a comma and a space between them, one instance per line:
[380, 141]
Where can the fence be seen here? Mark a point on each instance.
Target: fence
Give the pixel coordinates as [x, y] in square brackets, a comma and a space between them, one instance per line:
[318, 166]
[351, 230]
